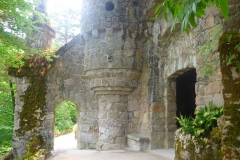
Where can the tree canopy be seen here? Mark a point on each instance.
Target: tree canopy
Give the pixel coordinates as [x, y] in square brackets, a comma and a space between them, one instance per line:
[18, 18]
[66, 22]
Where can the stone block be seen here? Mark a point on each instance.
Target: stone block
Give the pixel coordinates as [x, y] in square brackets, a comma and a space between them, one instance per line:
[91, 146]
[95, 34]
[218, 100]
[109, 32]
[157, 107]
[232, 9]
[213, 87]
[157, 140]
[81, 145]
[84, 128]
[137, 142]
[120, 140]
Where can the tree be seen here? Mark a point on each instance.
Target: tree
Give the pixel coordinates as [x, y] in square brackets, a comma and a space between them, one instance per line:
[65, 117]
[66, 22]
[186, 11]
[18, 18]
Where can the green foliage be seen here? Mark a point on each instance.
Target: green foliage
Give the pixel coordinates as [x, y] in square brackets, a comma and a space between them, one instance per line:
[65, 117]
[18, 18]
[237, 47]
[6, 116]
[5, 147]
[186, 124]
[231, 58]
[205, 121]
[208, 50]
[186, 11]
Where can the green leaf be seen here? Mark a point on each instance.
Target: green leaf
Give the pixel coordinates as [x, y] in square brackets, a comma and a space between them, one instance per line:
[194, 8]
[200, 12]
[237, 47]
[224, 7]
[165, 13]
[158, 10]
[192, 20]
[238, 65]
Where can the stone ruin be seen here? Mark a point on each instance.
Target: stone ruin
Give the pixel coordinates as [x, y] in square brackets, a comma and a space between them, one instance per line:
[122, 73]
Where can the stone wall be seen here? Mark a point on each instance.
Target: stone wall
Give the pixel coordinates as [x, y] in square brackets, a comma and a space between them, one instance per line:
[67, 81]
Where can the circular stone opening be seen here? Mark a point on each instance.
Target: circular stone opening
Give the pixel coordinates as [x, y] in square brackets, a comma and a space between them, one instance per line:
[109, 6]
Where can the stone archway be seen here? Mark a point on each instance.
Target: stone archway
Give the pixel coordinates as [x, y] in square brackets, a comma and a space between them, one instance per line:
[66, 115]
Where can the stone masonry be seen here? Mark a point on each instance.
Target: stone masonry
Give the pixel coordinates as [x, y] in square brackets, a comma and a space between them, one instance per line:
[121, 73]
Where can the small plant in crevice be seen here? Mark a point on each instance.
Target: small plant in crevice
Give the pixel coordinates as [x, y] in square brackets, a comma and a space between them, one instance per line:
[209, 51]
[231, 57]
[205, 121]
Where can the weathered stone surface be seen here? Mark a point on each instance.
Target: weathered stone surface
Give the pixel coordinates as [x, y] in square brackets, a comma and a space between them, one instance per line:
[157, 107]
[213, 88]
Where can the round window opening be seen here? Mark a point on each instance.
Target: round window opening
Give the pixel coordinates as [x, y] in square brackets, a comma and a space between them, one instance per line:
[109, 6]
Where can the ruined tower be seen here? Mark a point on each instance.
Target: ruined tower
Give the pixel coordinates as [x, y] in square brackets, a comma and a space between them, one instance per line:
[112, 63]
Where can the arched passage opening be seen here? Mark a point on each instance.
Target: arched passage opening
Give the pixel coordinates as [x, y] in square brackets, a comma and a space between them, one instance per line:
[180, 99]
[185, 94]
[65, 128]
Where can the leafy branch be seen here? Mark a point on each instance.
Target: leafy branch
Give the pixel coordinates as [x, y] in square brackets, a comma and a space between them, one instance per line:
[186, 11]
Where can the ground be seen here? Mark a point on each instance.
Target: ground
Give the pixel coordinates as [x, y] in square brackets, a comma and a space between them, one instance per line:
[65, 149]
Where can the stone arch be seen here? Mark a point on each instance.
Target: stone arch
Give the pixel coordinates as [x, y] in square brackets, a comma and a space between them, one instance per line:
[66, 118]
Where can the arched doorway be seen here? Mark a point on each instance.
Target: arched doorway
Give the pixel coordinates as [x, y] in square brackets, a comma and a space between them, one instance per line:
[185, 94]
[180, 99]
[65, 126]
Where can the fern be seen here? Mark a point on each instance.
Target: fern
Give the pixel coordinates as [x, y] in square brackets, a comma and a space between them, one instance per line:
[205, 121]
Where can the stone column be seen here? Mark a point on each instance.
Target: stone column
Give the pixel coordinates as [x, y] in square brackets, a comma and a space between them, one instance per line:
[112, 87]
[113, 121]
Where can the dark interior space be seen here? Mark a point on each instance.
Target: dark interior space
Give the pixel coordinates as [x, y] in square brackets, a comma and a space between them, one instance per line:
[185, 89]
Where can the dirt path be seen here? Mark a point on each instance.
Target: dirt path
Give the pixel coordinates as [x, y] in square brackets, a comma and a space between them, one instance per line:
[65, 148]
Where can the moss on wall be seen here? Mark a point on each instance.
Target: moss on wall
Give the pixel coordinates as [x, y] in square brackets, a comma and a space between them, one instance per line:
[35, 150]
[32, 115]
[188, 147]
[231, 93]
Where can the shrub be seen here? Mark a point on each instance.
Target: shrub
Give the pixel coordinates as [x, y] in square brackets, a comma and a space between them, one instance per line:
[204, 122]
